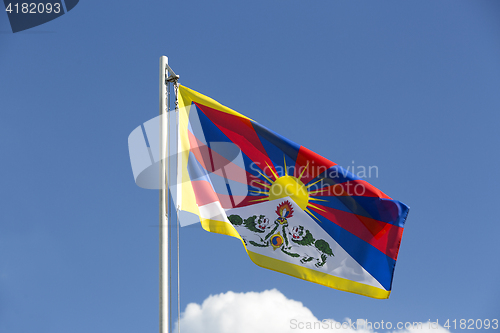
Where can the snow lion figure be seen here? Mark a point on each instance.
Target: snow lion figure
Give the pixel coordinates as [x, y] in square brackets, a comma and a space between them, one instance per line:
[301, 236]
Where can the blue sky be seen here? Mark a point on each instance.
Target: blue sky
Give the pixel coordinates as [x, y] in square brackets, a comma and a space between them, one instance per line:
[408, 86]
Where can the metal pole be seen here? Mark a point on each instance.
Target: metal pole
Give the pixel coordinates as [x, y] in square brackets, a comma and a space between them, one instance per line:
[164, 225]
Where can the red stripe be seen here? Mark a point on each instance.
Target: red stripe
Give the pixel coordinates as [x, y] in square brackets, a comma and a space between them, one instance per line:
[383, 236]
[240, 131]
[200, 151]
[203, 192]
[239, 201]
[358, 188]
[310, 165]
[210, 160]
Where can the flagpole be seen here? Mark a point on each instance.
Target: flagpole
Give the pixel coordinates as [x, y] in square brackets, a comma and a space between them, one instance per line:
[167, 76]
[164, 225]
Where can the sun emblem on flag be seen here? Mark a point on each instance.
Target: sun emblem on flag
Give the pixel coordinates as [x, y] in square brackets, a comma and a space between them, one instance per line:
[289, 186]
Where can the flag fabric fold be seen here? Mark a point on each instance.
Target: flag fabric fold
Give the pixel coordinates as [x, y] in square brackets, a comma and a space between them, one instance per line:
[295, 211]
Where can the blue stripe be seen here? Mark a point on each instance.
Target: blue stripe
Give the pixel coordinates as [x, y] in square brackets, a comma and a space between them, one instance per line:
[210, 132]
[385, 210]
[379, 265]
[206, 131]
[278, 148]
[335, 175]
[195, 170]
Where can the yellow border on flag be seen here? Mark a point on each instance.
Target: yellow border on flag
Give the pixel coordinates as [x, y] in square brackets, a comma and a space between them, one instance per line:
[187, 96]
[297, 271]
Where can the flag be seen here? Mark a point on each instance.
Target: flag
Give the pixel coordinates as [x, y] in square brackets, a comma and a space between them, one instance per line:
[295, 211]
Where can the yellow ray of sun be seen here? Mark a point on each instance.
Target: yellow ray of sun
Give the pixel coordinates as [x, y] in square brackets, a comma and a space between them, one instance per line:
[314, 206]
[261, 192]
[302, 173]
[316, 199]
[272, 170]
[314, 183]
[261, 199]
[265, 185]
[263, 175]
[312, 214]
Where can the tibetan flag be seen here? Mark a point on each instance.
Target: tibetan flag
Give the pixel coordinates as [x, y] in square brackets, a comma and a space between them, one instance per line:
[295, 211]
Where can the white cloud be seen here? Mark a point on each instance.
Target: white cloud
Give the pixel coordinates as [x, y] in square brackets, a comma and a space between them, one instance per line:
[271, 311]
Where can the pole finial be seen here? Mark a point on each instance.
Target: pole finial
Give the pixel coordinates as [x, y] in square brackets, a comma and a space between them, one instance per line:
[172, 77]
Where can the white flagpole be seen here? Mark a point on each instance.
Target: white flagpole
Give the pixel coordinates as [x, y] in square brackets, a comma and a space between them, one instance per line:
[164, 225]
[167, 75]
